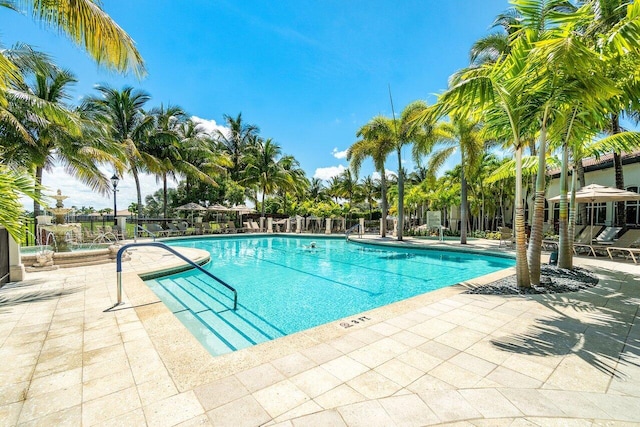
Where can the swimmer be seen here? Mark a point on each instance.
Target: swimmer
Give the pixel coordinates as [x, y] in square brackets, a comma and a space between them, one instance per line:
[312, 245]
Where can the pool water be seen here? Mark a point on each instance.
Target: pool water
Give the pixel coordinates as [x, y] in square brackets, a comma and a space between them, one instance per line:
[285, 285]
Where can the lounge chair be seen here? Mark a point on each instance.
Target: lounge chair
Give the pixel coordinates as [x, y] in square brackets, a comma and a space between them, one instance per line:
[157, 230]
[214, 228]
[506, 237]
[173, 229]
[248, 227]
[583, 240]
[628, 243]
[184, 228]
[254, 226]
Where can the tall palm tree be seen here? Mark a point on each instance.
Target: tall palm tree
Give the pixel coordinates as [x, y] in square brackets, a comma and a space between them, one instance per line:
[497, 91]
[265, 169]
[316, 190]
[369, 192]
[164, 143]
[128, 125]
[41, 129]
[460, 134]
[377, 142]
[349, 187]
[235, 141]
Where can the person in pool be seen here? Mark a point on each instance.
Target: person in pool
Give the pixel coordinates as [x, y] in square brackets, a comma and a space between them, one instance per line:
[311, 246]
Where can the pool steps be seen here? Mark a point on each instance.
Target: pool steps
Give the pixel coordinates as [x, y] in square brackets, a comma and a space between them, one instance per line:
[210, 317]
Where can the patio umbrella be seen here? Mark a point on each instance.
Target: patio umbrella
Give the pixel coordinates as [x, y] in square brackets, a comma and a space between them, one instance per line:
[217, 207]
[241, 210]
[192, 207]
[593, 193]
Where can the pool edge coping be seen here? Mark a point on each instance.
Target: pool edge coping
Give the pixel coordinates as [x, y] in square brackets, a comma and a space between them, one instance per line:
[173, 340]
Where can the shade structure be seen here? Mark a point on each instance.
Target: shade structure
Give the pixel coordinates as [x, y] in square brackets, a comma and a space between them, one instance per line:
[191, 207]
[218, 208]
[595, 193]
[242, 209]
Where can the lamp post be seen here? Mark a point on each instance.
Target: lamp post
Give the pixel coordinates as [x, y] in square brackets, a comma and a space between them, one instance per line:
[114, 181]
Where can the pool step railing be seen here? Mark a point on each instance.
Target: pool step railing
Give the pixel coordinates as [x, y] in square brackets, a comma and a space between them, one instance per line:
[174, 252]
[191, 300]
[139, 228]
[352, 229]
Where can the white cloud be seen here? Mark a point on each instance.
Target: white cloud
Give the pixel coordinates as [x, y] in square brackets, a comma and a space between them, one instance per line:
[339, 154]
[209, 126]
[329, 172]
[376, 174]
[80, 195]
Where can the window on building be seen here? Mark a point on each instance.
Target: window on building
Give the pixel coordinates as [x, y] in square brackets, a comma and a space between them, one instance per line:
[633, 208]
[600, 212]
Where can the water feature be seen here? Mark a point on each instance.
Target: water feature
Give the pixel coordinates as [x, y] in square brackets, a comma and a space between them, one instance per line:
[61, 232]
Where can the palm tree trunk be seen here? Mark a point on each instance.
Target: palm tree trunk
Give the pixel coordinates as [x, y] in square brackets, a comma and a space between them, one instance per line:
[522, 267]
[535, 239]
[564, 248]
[139, 192]
[164, 193]
[621, 217]
[385, 208]
[262, 207]
[400, 196]
[463, 204]
[583, 206]
[36, 205]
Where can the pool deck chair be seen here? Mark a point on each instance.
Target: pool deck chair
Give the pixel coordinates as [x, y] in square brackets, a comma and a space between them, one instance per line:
[583, 240]
[214, 228]
[627, 245]
[157, 230]
[506, 237]
[600, 243]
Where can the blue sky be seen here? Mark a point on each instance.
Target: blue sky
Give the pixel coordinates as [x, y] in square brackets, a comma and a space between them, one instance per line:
[308, 73]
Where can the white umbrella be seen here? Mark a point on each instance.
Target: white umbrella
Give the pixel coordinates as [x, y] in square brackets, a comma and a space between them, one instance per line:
[217, 207]
[241, 210]
[191, 207]
[593, 193]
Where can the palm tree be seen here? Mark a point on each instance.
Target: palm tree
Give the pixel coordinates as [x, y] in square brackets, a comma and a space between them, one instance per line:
[41, 129]
[461, 134]
[349, 186]
[265, 169]
[377, 141]
[88, 26]
[164, 143]
[236, 141]
[369, 191]
[128, 125]
[13, 185]
[316, 191]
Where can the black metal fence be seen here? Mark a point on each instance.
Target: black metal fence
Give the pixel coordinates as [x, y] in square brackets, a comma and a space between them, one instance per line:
[4, 256]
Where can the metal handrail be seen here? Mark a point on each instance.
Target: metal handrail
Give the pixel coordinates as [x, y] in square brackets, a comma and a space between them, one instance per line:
[176, 253]
[141, 228]
[349, 231]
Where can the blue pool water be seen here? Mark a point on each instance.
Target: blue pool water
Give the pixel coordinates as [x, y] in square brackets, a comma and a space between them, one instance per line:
[285, 286]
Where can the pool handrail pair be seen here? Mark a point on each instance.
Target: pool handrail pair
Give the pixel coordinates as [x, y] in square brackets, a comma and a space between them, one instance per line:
[350, 230]
[174, 252]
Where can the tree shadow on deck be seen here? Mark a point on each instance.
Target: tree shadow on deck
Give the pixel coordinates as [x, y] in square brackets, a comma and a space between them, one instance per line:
[598, 334]
[13, 294]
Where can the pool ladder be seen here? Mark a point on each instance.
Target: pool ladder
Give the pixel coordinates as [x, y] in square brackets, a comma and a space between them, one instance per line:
[174, 252]
[352, 229]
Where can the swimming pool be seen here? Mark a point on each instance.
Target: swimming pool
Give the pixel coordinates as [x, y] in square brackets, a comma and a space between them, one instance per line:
[284, 285]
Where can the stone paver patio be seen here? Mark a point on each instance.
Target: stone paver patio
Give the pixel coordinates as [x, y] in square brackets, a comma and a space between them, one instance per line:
[439, 358]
